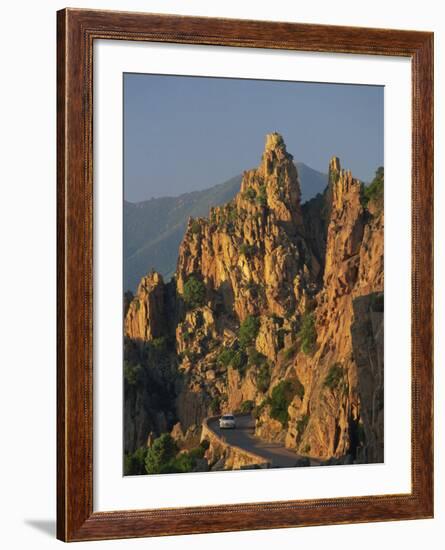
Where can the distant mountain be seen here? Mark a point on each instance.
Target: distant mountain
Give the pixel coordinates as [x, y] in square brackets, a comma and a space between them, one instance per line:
[312, 182]
[153, 229]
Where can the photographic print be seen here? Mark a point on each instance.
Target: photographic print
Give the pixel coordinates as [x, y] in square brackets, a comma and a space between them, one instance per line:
[253, 274]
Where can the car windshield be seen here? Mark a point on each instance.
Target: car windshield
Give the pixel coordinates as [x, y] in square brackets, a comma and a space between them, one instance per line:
[227, 417]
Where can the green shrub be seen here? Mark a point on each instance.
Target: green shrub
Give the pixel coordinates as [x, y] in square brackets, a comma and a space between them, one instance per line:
[307, 334]
[247, 406]
[186, 461]
[235, 358]
[194, 292]
[197, 452]
[263, 378]
[134, 463]
[306, 449]
[334, 377]
[226, 357]
[261, 199]
[160, 455]
[249, 194]
[232, 213]
[158, 345]
[279, 401]
[181, 464]
[255, 357]
[195, 227]
[259, 408]
[239, 361]
[215, 404]
[132, 373]
[374, 191]
[248, 330]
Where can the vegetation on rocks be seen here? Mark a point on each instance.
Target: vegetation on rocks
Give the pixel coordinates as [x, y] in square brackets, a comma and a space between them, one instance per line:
[163, 457]
[161, 454]
[215, 405]
[194, 292]
[249, 194]
[247, 406]
[261, 198]
[279, 401]
[307, 334]
[134, 463]
[374, 191]
[239, 361]
[195, 228]
[335, 377]
[263, 378]
[255, 357]
[226, 356]
[248, 330]
[131, 373]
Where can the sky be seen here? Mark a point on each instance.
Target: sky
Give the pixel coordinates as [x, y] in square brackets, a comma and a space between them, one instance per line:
[184, 134]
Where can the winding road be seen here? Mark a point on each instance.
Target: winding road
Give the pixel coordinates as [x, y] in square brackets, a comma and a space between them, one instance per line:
[243, 436]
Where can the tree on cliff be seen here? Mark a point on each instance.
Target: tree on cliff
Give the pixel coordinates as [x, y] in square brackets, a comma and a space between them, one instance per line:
[160, 454]
[374, 191]
[194, 292]
[307, 334]
[248, 330]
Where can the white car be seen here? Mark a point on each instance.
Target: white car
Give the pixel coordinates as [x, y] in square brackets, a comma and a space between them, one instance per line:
[227, 421]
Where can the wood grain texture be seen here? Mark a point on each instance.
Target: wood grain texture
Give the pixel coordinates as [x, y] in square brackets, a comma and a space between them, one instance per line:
[76, 32]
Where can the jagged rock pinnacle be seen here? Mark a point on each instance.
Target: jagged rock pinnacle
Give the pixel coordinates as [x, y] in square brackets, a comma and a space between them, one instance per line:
[274, 141]
[275, 149]
[334, 165]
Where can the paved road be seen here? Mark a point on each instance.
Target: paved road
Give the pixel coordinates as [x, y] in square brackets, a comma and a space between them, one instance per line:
[242, 436]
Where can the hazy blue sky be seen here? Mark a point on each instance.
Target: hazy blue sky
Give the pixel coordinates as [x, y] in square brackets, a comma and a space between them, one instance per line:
[187, 133]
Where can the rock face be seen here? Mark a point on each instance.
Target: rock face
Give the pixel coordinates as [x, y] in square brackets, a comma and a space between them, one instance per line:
[149, 392]
[367, 342]
[277, 308]
[332, 410]
[146, 315]
[251, 253]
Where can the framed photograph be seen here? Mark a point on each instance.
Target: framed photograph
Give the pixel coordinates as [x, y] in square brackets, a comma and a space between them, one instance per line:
[245, 228]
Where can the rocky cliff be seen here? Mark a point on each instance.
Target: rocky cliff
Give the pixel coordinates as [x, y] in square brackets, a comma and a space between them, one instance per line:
[276, 308]
[251, 253]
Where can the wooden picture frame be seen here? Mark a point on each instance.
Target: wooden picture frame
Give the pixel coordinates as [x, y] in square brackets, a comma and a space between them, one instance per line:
[77, 31]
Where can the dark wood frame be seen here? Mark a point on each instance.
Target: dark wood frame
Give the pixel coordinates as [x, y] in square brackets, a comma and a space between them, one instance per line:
[77, 30]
